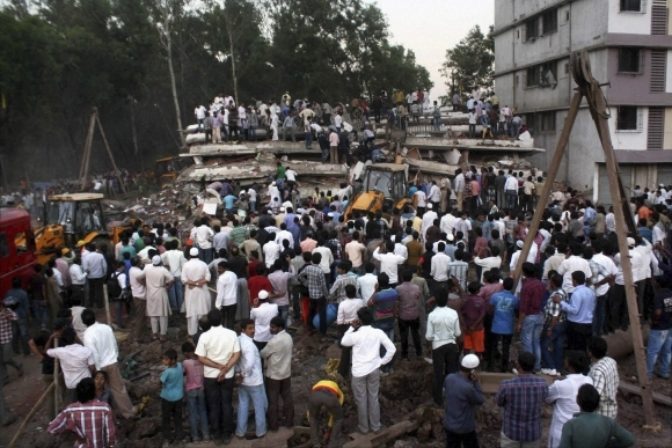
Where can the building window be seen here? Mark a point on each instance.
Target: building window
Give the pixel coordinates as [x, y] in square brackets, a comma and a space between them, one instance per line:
[543, 75]
[541, 25]
[531, 29]
[627, 118]
[541, 122]
[629, 60]
[549, 21]
[548, 122]
[631, 5]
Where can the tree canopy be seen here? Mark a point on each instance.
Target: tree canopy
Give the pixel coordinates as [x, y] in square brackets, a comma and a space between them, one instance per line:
[60, 58]
[470, 64]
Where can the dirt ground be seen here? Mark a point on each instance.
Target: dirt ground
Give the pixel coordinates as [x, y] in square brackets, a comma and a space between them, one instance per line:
[405, 393]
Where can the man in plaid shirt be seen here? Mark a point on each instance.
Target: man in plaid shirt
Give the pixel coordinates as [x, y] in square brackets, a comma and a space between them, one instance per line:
[553, 333]
[604, 373]
[89, 419]
[7, 316]
[523, 400]
[312, 277]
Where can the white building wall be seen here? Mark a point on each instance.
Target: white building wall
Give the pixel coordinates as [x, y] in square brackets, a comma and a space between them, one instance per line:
[668, 72]
[627, 21]
[630, 140]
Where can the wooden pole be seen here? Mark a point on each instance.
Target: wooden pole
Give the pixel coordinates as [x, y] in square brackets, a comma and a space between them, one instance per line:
[109, 153]
[86, 156]
[552, 173]
[598, 110]
[107, 305]
[56, 383]
[32, 412]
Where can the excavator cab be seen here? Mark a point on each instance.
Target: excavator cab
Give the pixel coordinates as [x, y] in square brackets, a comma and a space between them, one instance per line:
[68, 219]
[382, 188]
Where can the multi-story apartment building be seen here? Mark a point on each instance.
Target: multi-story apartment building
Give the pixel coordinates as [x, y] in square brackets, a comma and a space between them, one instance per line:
[629, 43]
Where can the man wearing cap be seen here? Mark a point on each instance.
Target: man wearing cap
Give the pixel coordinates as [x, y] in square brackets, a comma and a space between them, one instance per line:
[158, 280]
[262, 316]
[463, 393]
[195, 277]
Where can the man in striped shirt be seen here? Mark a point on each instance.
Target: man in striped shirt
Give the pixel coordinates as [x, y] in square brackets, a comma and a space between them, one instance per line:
[90, 420]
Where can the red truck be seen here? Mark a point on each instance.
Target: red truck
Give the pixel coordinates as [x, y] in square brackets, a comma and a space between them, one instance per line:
[17, 248]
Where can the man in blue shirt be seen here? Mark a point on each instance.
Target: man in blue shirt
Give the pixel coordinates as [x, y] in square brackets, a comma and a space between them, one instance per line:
[579, 311]
[230, 203]
[463, 393]
[504, 304]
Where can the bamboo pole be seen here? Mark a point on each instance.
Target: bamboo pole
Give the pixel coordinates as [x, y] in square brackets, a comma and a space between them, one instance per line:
[32, 412]
[109, 153]
[107, 305]
[552, 173]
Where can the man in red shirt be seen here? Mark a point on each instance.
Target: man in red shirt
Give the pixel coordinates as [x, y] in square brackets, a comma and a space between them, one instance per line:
[531, 316]
[258, 282]
[89, 419]
[473, 312]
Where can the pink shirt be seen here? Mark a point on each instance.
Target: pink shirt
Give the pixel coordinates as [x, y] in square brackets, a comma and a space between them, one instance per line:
[193, 371]
[333, 139]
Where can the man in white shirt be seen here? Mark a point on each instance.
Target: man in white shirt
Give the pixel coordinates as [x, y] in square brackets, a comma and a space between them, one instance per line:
[389, 261]
[271, 251]
[136, 280]
[511, 192]
[366, 284]
[458, 187]
[100, 339]
[443, 331]
[262, 316]
[562, 395]
[284, 234]
[327, 258]
[251, 388]
[95, 266]
[218, 350]
[78, 281]
[366, 342]
[434, 195]
[447, 223]
[439, 269]
[204, 236]
[487, 263]
[573, 262]
[427, 221]
[76, 361]
[195, 277]
[420, 201]
[227, 294]
[604, 272]
[173, 259]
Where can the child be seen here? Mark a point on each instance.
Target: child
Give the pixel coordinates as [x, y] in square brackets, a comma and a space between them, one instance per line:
[102, 389]
[172, 381]
[193, 386]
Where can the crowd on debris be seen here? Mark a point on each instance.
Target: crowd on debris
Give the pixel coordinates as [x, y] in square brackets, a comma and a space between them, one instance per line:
[439, 268]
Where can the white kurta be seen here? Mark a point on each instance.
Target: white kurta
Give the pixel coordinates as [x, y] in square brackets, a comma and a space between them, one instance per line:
[197, 300]
[156, 278]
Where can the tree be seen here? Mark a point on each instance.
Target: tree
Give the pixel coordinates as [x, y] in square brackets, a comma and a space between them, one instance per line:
[166, 13]
[469, 65]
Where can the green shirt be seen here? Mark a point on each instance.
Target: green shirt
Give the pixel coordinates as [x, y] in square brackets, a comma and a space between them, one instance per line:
[592, 430]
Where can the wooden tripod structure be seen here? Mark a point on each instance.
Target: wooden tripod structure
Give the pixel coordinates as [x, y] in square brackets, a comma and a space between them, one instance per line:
[589, 89]
[88, 144]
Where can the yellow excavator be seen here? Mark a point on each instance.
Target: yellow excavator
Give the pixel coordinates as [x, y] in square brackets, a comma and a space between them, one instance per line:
[383, 188]
[73, 219]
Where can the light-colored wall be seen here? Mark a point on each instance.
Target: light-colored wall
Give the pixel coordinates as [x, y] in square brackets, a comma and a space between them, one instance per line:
[630, 140]
[667, 129]
[668, 72]
[628, 22]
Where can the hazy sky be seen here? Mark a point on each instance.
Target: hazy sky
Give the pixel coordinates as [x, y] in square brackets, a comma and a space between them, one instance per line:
[430, 27]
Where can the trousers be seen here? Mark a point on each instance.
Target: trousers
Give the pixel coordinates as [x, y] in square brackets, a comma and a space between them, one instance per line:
[277, 390]
[159, 322]
[120, 398]
[329, 402]
[220, 405]
[171, 419]
[365, 392]
[445, 360]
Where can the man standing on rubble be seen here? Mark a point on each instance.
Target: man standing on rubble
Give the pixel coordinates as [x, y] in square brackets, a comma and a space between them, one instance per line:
[203, 240]
[195, 277]
[366, 342]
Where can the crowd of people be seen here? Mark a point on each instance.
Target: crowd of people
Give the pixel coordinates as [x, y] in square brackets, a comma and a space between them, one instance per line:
[439, 270]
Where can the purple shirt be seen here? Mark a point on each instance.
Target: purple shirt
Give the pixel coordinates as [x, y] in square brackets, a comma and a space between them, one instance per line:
[409, 301]
[193, 370]
[522, 399]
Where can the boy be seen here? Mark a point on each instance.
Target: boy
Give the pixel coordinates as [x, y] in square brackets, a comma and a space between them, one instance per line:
[172, 386]
[193, 386]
